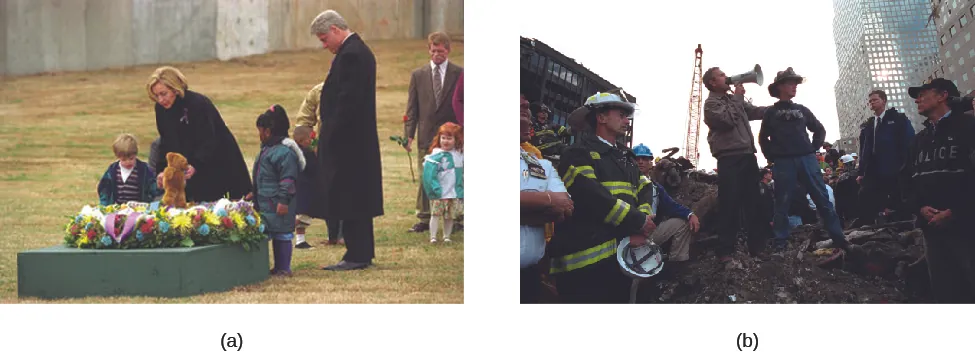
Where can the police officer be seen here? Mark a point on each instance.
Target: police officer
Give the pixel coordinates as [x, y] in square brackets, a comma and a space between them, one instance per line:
[939, 182]
[611, 202]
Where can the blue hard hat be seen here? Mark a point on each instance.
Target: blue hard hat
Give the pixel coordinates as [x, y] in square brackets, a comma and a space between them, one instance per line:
[642, 150]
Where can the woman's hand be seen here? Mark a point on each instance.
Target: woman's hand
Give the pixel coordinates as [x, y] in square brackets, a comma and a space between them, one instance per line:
[190, 172]
[249, 197]
[282, 209]
[159, 180]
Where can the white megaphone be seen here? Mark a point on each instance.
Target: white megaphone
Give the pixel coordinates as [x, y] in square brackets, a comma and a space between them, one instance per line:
[753, 76]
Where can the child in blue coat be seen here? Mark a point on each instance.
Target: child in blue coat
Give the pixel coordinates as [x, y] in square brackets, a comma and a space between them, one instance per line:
[443, 179]
[275, 174]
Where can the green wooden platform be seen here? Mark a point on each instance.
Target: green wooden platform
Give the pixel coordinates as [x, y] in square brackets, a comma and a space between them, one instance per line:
[63, 272]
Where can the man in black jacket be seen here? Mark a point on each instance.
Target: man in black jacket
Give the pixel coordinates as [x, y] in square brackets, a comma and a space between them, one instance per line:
[939, 182]
[352, 181]
[785, 142]
[884, 139]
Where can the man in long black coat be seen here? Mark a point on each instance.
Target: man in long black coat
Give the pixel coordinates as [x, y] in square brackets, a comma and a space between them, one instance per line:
[349, 144]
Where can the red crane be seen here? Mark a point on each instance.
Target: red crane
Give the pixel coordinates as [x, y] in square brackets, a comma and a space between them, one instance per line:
[694, 110]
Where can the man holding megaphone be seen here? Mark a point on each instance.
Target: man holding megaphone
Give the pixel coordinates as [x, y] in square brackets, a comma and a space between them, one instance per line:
[732, 143]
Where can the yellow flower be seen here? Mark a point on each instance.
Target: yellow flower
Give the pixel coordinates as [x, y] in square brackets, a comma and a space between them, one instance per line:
[238, 220]
[183, 223]
[211, 219]
[82, 240]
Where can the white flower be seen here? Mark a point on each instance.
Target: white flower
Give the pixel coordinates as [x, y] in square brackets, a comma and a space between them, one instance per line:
[222, 204]
[175, 211]
[86, 211]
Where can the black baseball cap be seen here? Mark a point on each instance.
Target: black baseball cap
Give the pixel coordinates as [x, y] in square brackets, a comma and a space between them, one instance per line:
[937, 83]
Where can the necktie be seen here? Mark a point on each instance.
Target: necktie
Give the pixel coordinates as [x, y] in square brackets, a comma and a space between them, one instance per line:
[876, 130]
[437, 85]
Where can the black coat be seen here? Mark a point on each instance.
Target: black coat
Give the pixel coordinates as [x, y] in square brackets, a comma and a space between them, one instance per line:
[940, 170]
[311, 198]
[349, 144]
[193, 127]
[887, 157]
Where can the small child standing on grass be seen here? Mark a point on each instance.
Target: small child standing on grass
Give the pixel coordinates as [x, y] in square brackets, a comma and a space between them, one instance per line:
[128, 179]
[443, 179]
[275, 174]
[311, 198]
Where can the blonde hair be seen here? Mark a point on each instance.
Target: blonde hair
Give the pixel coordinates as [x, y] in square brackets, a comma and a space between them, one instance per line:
[125, 145]
[438, 38]
[170, 77]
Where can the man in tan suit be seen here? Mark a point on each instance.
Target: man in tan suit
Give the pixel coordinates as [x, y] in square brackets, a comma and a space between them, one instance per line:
[428, 107]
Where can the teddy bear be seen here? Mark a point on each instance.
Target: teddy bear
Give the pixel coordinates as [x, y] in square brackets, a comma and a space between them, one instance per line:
[174, 180]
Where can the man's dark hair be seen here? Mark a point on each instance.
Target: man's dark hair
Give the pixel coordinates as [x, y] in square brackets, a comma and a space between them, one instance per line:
[591, 117]
[708, 76]
[880, 93]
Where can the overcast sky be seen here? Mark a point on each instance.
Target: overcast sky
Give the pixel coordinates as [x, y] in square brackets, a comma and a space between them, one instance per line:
[647, 47]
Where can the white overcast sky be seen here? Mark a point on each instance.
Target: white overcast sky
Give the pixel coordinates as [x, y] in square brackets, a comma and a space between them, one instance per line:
[647, 47]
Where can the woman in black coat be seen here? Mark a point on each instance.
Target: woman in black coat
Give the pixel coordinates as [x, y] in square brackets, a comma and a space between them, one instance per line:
[189, 124]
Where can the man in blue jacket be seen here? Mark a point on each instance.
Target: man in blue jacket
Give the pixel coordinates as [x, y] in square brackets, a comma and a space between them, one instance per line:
[884, 139]
[675, 222]
[785, 142]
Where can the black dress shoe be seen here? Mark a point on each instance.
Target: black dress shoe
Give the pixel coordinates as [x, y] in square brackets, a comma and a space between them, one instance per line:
[420, 227]
[303, 245]
[344, 265]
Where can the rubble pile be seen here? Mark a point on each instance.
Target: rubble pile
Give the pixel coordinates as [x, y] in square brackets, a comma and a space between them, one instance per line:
[890, 269]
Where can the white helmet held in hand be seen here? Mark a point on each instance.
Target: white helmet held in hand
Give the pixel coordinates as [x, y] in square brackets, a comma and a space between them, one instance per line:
[639, 262]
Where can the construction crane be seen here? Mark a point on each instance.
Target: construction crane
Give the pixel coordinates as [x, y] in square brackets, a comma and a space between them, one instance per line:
[694, 110]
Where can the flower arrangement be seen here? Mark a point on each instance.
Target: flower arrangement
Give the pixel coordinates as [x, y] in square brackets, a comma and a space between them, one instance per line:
[141, 225]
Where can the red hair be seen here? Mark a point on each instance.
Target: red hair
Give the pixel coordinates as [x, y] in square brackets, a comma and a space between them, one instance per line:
[451, 129]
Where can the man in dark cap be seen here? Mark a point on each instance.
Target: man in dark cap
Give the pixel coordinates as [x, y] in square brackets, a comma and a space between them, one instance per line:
[785, 142]
[939, 182]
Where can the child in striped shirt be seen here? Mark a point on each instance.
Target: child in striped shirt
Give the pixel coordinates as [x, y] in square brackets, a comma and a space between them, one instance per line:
[128, 179]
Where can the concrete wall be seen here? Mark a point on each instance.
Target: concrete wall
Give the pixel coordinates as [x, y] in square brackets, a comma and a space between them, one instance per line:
[69, 35]
[242, 28]
[3, 37]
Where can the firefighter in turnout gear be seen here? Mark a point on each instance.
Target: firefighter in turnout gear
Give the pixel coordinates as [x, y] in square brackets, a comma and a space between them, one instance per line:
[549, 136]
[613, 202]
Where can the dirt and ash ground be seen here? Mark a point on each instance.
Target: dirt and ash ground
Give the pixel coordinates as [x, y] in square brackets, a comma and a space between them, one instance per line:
[882, 273]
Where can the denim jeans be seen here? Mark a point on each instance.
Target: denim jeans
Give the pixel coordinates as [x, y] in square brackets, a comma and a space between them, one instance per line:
[788, 173]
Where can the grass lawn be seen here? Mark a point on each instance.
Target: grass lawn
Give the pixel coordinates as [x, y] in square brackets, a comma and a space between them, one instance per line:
[56, 133]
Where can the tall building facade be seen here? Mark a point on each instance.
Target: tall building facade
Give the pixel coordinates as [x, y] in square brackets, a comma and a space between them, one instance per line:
[881, 44]
[953, 20]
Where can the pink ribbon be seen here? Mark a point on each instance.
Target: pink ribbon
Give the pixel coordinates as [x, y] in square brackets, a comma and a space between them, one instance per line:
[126, 229]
